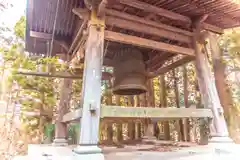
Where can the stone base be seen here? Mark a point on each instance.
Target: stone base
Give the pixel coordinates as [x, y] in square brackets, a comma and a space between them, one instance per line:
[88, 153]
[220, 140]
[60, 142]
[149, 139]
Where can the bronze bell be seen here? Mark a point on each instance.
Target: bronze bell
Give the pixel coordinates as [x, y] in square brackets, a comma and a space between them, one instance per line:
[129, 72]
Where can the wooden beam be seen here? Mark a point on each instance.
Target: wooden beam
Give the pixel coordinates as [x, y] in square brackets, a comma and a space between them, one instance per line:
[143, 112]
[208, 90]
[213, 28]
[91, 95]
[65, 74]
[61, 109]
[146, 29]
[141, 42]
[166, 13]
[158, 62]
[123, 15]
[167, 68]
[63, 44]
[159, 11]
[81, 13]
[102, 8]
[77, 37]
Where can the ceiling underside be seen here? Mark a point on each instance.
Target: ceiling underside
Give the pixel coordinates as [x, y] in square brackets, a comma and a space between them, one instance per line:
[41, 15]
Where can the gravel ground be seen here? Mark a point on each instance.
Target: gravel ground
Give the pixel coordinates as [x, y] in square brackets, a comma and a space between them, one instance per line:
[156, 151]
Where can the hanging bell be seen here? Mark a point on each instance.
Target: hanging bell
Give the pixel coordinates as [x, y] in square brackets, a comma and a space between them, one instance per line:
[129, 72]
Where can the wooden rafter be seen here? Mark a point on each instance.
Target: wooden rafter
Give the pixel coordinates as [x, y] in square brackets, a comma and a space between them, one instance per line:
[156, 63]
[142, 42]
[159, 11]
[146, 29]
[166, 13]
[167, 68]
[147, 22]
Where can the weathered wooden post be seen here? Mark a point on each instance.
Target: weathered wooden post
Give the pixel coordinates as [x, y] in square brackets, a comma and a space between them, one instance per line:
[138, 124]
[89, 128]
[131, 124]
[109, 124]
[119, 124]
[210, 98]
[179, 123]
[185, 92]
[62, 109]
[163, 102]
[149, 128]
[219, 74]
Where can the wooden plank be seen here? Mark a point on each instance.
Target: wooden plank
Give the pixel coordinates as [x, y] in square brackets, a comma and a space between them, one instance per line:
[159, 11]
[143, 112]
[167, 68]
[141, 42]
[146, 29]
[147, 22]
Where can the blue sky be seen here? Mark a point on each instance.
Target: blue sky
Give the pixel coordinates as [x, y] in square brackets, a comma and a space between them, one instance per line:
[12, 14]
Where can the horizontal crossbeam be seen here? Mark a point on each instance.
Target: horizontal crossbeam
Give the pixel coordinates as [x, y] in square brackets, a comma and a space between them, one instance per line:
[146, 43]
[143, 112]
[165, 69]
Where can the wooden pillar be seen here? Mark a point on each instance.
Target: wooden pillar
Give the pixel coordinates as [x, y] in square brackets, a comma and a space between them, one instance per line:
[131, 124]
[185, 92]
[149, 128]
[163, 101]
[179, 124]
[138, 125]
[218, 127]
[109, 124]
[219, 73]
[60, 127]
[119, 124]
[91, 98]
